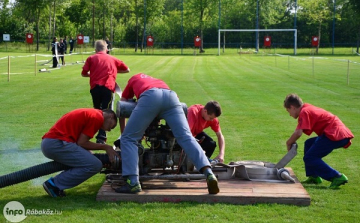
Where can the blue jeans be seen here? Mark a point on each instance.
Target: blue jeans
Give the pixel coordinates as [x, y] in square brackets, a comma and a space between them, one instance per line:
[165, 104]
[314, 150]
[84, 164]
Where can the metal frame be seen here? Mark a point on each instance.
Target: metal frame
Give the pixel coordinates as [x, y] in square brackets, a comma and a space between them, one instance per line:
[258, 30]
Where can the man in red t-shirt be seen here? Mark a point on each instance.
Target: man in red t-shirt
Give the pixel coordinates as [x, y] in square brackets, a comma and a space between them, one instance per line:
[155, 99]
[68, 142]
[332, 134]
[201, 117]
[102, 70]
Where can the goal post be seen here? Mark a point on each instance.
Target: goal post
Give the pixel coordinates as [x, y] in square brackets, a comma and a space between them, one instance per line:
[258, 30]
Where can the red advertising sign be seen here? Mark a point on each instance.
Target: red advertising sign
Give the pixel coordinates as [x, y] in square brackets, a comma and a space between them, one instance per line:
[197, 41]
[80, 39]
[29, 38]
[149, 41]
[267, 41]
[314, 41]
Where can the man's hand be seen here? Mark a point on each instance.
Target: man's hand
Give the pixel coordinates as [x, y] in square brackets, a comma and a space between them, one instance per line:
[200, 140]
[111, 153]
[220, 158]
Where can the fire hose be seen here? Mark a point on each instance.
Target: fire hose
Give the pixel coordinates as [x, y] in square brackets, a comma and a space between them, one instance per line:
[45, 169]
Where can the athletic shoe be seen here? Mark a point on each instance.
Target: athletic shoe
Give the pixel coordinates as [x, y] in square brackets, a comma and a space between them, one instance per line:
[313, 180]
[337, 181]
[53, 190]
[212, 184]
[128, 188]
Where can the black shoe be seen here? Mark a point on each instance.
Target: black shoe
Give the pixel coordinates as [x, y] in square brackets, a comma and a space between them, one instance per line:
[212, 184]
[53, 190]
[128, 188]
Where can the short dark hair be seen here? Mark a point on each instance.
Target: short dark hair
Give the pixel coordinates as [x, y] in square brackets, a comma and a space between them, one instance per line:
[110, 112]
[294, 100]
[213, 107]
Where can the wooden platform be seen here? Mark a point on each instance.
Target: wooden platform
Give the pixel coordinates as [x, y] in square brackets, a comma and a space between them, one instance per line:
[233, 191]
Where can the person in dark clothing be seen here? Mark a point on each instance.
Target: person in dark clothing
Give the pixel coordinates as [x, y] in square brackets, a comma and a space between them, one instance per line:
[54, 50]
[62, 51]
[108, 45]
[65, 43]
[71, 42]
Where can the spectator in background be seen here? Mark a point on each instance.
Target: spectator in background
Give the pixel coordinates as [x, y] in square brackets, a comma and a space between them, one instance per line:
[102, 70]
[62, 51]
[108, 45]
[71, 42]
[54, 50]
[65, 42]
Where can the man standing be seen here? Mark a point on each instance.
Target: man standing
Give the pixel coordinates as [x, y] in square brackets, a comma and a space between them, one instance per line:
[201, 117]
[71, 42]
[65, 43]
[108, 45]
[61, 51]
[102, 70]
[155, 99]
[54, 49]
[68, 142]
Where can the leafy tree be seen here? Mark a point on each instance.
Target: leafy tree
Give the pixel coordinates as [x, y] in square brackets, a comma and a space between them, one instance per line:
[204, 10]
[317, 12]
[355, 5]
[5, 14]
[32, 10]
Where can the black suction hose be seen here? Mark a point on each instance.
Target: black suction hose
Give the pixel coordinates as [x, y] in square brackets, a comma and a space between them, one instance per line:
[41, 170]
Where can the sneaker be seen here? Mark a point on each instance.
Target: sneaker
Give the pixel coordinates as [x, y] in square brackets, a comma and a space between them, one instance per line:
[53, 190]
[212, 184]
[313, 180]
[337, 181]
[128, 188]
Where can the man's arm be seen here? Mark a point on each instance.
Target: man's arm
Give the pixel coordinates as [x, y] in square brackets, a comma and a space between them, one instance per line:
[191, 119]
[86, 68]
[221, 142]
[84, 142]
[121, 119]
[124, 71]
[293, 138]
[85, 74]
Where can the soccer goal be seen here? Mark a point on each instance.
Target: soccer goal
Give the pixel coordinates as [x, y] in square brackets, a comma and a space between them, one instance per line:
[258, 30]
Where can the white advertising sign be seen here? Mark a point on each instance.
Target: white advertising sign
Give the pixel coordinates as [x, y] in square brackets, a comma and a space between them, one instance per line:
[6, 37]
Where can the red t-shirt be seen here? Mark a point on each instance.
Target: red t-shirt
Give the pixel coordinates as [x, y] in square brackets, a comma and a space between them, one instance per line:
[140, 83]
[197, 123]
[103, 70]
[69, 127]
[314, 119]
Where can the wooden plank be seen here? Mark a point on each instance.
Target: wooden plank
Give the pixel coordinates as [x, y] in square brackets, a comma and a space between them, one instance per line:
[233, 191]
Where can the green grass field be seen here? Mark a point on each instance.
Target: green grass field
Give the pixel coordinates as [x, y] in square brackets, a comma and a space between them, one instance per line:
[250, 89]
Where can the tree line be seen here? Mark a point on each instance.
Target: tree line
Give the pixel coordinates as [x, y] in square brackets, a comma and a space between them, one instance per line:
[175, 22]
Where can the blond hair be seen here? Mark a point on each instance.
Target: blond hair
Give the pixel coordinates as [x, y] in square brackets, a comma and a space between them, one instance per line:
[100, 45]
